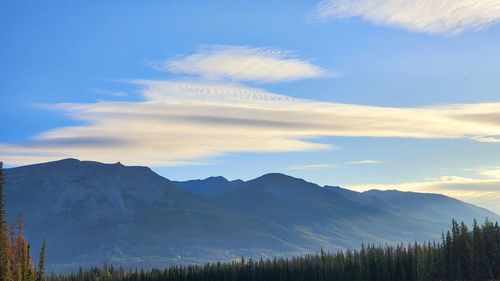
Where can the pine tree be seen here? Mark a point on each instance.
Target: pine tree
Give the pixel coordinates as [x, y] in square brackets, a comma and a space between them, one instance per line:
[30, 269]
[41, 263]
[5, 273]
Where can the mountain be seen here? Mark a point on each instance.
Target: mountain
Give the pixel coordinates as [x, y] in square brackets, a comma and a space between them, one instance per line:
[208, 187]
[426, 206]
[314, 211]
[432, 207]
[92, 212]
[361, 198]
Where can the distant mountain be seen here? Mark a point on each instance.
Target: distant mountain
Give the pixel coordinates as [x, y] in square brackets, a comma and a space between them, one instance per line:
[426, 206]
[359, 197]
[208, 187]
[432, 207]
[334, 220]
[91, 212]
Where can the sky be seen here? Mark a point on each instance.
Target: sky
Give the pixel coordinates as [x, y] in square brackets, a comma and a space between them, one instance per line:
[364, 94]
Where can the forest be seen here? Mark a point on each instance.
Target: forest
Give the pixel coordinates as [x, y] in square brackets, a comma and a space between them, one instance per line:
[462, 253]
[15, 259]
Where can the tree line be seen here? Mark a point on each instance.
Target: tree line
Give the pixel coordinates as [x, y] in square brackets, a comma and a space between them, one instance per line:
[15, 260]
[462, 254]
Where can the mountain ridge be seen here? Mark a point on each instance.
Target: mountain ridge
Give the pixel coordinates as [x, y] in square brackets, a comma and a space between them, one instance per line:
[137, 217]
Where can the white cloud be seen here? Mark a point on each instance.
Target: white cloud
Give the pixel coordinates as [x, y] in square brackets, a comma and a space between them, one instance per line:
[487, 139]
[245, 64]
[181, 122]
[493, 173]
[361, 162]
[178, 123]
[429, 16]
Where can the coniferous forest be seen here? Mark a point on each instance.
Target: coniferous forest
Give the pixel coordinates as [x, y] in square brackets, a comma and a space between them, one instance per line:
[15, 261]
[462, 253]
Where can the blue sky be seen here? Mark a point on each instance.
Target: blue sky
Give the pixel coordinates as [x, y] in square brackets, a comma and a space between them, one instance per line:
[338, 92]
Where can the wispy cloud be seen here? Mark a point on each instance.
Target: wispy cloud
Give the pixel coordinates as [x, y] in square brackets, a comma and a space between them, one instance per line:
[363, 162]
[429, 16]
[487, 139]
[310, 167]
[240, 63]
[179, 122]
[493, 173]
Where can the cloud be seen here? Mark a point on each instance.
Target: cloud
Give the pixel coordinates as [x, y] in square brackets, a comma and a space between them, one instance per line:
[362, 162]
[493, 173]
[482, 191]
[487, 139]
[310, 167]
[428, 16]
[239, 63]
[180, 122]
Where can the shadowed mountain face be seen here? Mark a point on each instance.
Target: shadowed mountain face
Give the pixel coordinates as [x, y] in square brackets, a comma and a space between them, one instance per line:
[209, 187]
[91, 212]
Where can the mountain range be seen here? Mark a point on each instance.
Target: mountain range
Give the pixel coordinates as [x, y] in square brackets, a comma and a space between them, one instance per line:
[92, 212]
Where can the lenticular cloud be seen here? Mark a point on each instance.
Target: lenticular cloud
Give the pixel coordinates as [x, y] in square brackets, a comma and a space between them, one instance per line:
[428, 16]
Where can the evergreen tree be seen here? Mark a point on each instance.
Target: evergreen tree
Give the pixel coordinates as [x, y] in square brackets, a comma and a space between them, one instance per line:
[41, 263]
[5, 247]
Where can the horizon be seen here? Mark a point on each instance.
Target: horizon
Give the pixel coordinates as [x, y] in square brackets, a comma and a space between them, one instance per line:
[391, 96]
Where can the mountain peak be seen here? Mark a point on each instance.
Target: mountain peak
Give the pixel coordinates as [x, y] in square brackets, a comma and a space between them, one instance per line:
[67, 160]
[217, 179]
[208, 187]
[277, 177]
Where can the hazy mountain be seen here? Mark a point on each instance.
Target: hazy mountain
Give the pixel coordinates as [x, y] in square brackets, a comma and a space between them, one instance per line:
[433, 207]
[208, 187]
[314, 211]
[361, 198]
[91, 212]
